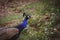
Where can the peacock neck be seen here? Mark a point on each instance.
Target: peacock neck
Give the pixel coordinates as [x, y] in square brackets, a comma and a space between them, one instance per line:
[25, 20]
[23, 24]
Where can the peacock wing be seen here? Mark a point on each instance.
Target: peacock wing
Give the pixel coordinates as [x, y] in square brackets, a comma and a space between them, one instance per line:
[6, 33]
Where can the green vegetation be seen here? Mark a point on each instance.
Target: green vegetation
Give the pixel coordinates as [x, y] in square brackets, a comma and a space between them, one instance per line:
[38, 11]
[9, 17]
[43, 19]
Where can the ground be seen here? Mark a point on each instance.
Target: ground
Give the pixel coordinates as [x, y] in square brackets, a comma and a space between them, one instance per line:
[39, 26]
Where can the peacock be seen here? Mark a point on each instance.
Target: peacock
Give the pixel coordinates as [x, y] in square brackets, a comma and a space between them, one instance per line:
[13, 33]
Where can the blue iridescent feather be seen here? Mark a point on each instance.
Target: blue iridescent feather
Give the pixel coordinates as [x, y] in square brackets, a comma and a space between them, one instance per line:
[22, 25]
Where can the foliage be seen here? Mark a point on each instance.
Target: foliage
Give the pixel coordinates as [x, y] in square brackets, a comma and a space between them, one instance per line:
[43, 19]
[39, 11]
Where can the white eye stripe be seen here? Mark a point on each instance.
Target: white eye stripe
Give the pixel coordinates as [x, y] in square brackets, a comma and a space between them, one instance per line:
[28, 16]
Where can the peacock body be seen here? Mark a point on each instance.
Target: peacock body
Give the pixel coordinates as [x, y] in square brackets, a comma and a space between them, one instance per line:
[13, 33]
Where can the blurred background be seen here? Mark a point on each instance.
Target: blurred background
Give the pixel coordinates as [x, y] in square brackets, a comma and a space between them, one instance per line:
[45, 18]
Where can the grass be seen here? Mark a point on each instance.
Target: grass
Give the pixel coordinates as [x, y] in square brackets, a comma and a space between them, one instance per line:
[10, 17]
[36, 10]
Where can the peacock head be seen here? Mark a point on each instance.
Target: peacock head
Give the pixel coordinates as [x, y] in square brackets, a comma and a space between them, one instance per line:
[26, 16]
